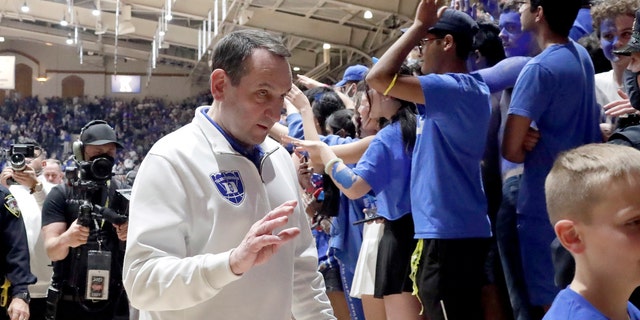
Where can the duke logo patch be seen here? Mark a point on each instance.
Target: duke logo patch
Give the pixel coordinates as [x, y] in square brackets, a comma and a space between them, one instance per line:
[12, 205]
[230, 186]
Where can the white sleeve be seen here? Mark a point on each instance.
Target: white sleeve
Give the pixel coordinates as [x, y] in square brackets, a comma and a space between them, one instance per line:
[157, 273]
[310, 300]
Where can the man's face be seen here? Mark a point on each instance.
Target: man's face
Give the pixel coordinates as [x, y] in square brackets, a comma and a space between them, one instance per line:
[614, 34]
[91, 151]
[515, 41]
[53, 173]
[527, 18]
[251, 108]
[430, 48]
[36, 161]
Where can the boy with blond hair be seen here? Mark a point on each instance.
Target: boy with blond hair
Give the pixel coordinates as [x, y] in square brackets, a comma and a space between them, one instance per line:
[592, 199]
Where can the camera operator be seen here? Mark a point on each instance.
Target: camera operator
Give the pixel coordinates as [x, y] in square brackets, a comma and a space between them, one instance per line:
[14, 264]
[20, 176]
[85, 244]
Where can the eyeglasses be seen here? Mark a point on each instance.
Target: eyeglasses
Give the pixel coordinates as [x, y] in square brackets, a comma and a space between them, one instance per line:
[423, 42]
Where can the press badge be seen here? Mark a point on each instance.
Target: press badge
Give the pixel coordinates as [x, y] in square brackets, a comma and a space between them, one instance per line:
[98, 270]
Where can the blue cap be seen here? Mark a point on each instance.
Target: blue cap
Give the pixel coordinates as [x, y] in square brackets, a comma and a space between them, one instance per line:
[353, 73]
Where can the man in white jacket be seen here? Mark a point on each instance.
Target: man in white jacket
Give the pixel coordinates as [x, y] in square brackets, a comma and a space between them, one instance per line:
[216, 227]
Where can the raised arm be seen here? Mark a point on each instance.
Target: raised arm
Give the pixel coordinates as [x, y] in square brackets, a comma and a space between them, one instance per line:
[383, 75]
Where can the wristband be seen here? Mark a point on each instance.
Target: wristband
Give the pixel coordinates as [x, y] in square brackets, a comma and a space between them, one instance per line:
[329, 165]
[393, 83]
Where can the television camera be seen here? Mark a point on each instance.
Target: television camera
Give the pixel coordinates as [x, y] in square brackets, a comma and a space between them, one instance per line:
[89, 177]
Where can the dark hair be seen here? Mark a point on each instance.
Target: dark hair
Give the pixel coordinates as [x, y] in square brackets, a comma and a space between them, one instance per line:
[342, 120]
[488, 42]
[314, 93]
[559, 14]
[232, 50]
[406, 115]
[324, 105]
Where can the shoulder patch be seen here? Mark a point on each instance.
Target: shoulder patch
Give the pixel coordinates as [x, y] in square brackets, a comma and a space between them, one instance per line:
[12, 205]
[230, 186]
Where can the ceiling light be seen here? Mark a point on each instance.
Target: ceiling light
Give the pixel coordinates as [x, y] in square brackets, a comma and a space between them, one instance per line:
[326, 46]
[95, 12]
[42, 78]
[25, 7]
[48, 44]
[168, 17]
[64, 22]
[161, 33]
[296, 69]
[69, 40]
[368, 14]
[1, 39]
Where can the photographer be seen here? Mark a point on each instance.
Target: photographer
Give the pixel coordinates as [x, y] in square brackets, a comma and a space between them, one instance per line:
[21, 178]
[86, 243]
[14, 265]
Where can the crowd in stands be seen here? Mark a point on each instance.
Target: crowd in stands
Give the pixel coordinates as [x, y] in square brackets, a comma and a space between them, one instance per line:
[55, 122]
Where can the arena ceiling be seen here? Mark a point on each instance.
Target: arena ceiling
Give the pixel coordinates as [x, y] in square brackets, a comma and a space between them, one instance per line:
[304, 25]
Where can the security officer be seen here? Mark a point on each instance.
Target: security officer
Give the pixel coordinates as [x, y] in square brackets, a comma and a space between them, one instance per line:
[87, 249]
[14, 266]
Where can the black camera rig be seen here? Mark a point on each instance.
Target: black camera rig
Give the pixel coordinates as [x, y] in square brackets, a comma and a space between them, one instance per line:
[88, 212]
[88, 178]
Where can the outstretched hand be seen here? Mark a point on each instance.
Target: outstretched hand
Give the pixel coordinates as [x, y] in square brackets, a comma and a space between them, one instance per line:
[619, 107]
[260, 244]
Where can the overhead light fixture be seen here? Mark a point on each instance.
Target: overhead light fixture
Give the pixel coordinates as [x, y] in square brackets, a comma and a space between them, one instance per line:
[161, 33]
[64, 21]
[69, 40]
[168, 16]
[1, 39]
[368, 14]
[326, 46]
[25, 7]
[42, 78]
[95, 12]
[296, 69]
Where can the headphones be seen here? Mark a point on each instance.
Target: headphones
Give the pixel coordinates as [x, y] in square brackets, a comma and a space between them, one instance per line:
[78, 147]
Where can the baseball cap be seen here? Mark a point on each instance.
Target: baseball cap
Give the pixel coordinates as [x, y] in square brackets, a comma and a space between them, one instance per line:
[353, 73]
[99, 134]
[634, 43]
[458, 23]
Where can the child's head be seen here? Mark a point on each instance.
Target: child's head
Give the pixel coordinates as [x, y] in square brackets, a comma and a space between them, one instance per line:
[593, 200]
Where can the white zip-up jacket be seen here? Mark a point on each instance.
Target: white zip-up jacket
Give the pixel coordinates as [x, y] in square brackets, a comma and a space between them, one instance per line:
[193, 201]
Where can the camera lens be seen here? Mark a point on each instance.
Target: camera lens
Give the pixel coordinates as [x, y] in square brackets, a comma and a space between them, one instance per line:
[101, 168]
[17, 161]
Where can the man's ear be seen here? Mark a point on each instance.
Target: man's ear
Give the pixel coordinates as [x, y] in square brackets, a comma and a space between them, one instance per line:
[539, 14]
[218, 82]
[449, 43]
[569, 235]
